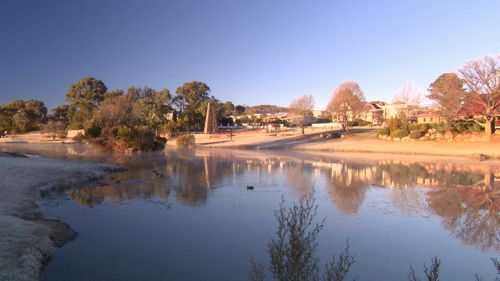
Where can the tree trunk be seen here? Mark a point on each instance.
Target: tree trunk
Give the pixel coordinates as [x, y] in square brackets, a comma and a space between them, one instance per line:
[489, 127]
[302, 128]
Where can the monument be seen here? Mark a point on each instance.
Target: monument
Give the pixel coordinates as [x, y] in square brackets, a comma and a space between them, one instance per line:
[211, 120]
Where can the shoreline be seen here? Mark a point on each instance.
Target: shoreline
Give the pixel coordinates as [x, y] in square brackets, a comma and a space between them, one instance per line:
[30, 239]
[476, 150]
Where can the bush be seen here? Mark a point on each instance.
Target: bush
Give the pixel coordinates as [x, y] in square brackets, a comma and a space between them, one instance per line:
[140, 138]
[416, 135]
[352, 123]
[401, 133]
[462, 126]
[414, 127]
[93, 132]
[79, 138]
[363, 123]
[185, 140]
[475, 128]
[385, 131]
[442, 127]
[394, 124]
[424, 128]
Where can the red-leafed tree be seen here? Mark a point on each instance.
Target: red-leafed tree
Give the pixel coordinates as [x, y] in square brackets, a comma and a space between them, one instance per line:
[482, 81]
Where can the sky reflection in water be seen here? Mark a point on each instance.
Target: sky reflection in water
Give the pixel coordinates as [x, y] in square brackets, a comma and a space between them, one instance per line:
[194, 219]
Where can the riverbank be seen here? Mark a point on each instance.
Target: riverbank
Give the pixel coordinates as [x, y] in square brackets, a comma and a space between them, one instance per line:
[364, 141]
[36, 137]
[28, 239]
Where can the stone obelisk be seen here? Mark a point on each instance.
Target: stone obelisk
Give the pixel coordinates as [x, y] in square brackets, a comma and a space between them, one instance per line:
[211, 120]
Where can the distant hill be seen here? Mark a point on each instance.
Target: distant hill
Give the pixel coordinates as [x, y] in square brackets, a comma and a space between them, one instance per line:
[265, 108]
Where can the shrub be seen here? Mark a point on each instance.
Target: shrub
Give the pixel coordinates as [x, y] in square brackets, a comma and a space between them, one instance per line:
[394, 124]
[401, 133]
[385, 131]
[93, 132]
[79, 138]
[186, 140]
[352, 123]
[140, 138]
[462, 126]
[442, 127]
[414, 127]
[424, 128]
[416, 134]
[475, 128]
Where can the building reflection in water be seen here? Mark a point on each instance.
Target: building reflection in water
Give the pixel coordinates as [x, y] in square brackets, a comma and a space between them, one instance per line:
[465, 196]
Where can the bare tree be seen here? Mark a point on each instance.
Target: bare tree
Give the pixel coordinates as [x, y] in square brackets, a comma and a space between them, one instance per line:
[300, 109]
[54, 129]
[410, 96]
[482, 81]
[346, 102]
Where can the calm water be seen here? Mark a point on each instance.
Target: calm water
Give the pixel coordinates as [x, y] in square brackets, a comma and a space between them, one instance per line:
[195, 220]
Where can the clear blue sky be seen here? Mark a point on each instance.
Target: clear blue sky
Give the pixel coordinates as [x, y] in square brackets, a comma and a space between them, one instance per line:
[249, 52]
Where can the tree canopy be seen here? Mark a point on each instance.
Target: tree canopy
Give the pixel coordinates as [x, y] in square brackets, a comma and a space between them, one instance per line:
[84, 97]
[482, 81]
[22, 115]
[346, 102]
[301, 108]
[191, 100]
[448, 93]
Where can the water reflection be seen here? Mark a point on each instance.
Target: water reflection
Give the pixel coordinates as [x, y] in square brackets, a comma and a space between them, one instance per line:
[464, 195]
[471, 215]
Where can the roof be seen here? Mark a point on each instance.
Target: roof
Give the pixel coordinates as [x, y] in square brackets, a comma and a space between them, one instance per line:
[429, 114]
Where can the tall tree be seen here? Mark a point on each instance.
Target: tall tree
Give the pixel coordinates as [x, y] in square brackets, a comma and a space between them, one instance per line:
[448, 93]
[84, 97]
[239, 109]
[346, 102]
[191, 100]
[23, 116]
[300, 109]
[152, 106]
[5, 121]
[36, 110]
[482, 81]
[60, 114]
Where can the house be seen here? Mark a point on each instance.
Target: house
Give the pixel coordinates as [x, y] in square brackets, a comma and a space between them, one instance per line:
[394, 110]
[372, 113]
[321, 114]
[430, 118]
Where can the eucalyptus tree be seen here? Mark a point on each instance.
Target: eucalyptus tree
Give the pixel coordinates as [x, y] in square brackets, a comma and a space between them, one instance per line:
[84, 97]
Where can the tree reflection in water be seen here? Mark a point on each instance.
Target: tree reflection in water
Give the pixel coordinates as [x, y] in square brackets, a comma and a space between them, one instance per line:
[466, 197]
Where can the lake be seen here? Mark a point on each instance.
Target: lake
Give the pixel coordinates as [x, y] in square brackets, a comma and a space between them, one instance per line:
[187, 214]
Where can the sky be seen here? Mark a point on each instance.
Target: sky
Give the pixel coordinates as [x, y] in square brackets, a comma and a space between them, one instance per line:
[248, 52]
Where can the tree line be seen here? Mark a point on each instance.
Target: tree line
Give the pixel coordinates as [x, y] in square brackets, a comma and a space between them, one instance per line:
[118, 116]
[133, 118]
[473, 93]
